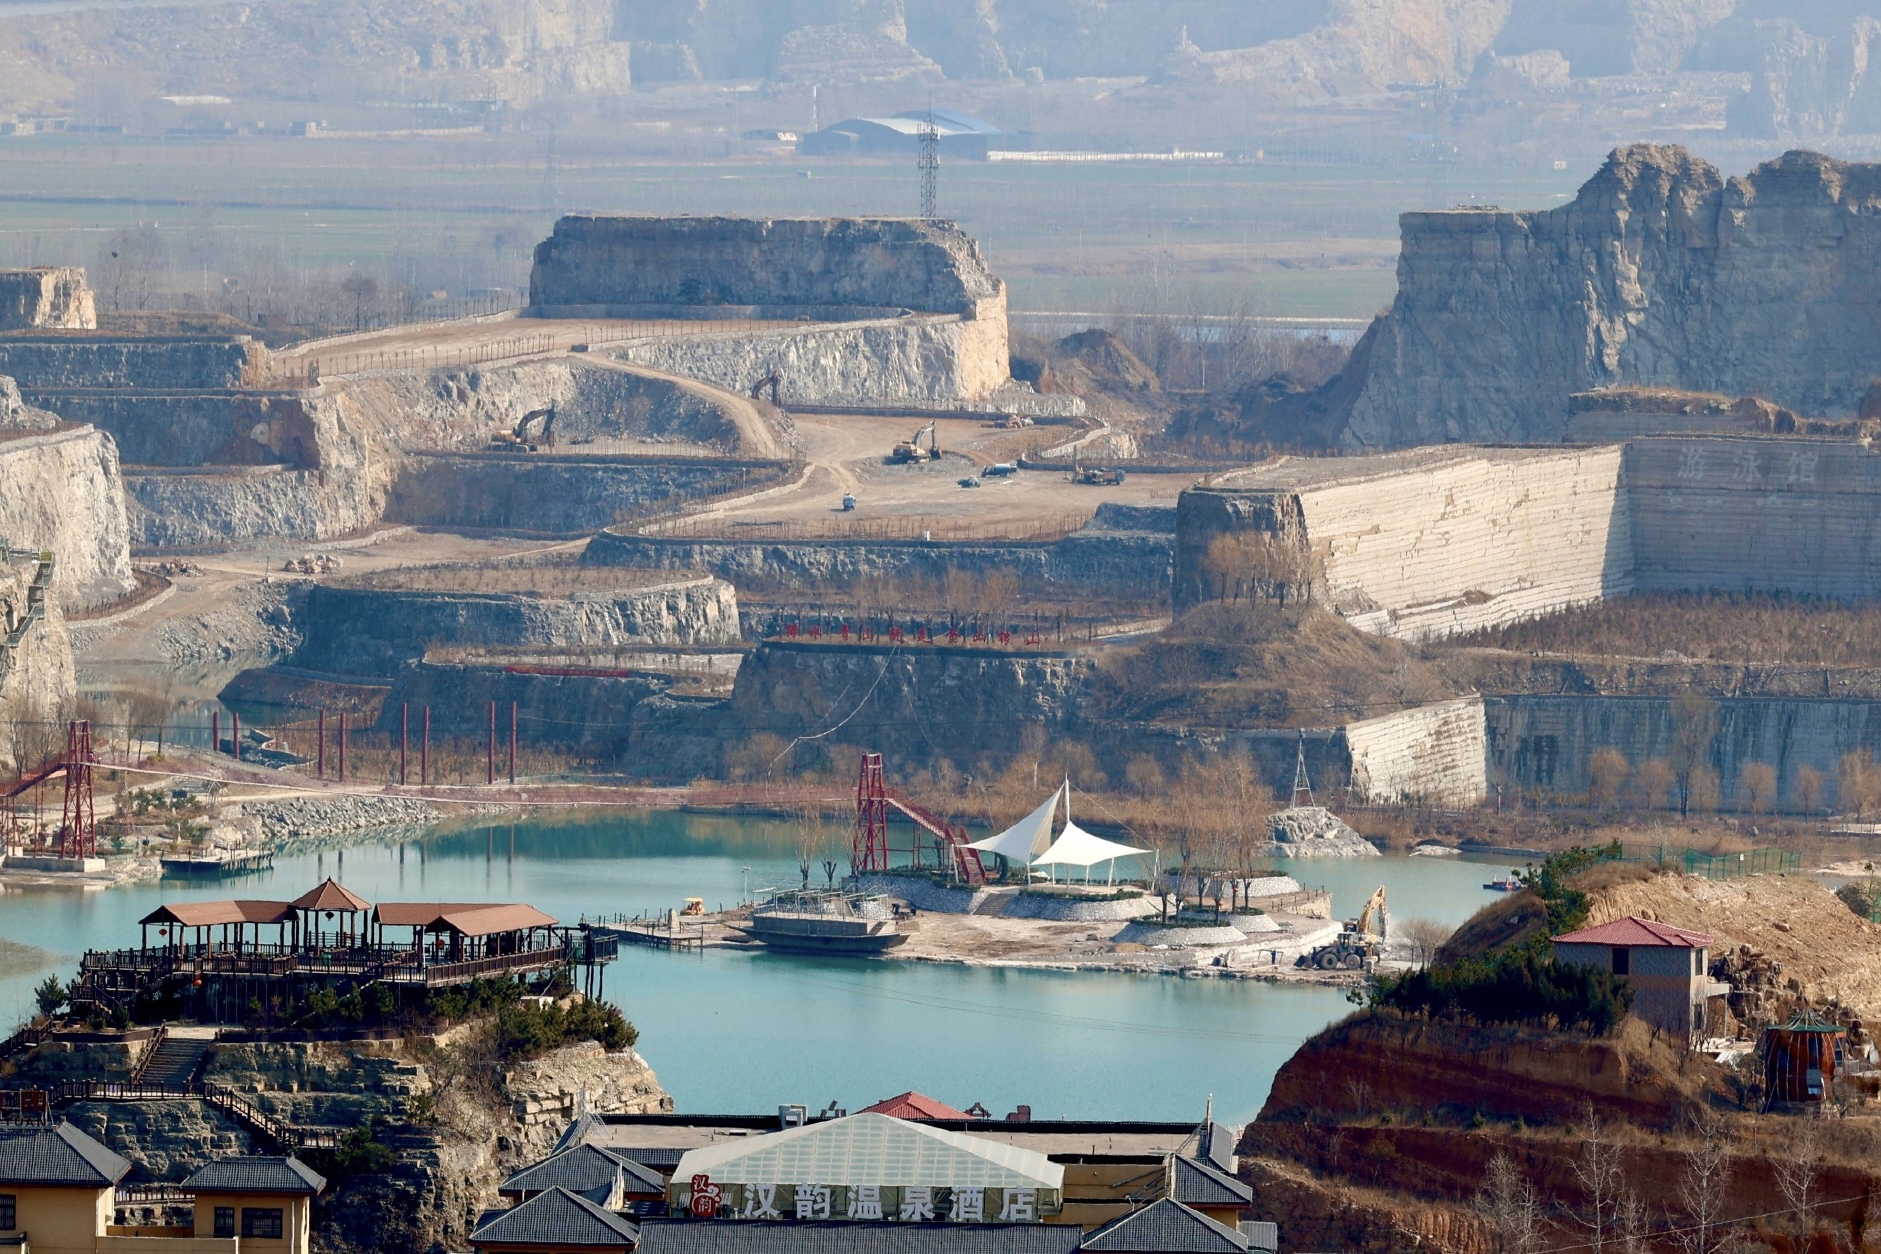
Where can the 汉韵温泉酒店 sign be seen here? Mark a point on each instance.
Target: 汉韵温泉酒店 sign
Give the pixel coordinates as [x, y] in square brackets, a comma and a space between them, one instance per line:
[705, 1198]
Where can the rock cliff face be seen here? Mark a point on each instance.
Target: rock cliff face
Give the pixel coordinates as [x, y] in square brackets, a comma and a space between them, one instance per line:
[51, 297]
[38, 680]
[803, 264]
[1659, 273]
[446, 1167]
[62, 491]
[368, 631]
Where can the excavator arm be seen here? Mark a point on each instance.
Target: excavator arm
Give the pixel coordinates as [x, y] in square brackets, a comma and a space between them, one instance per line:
[1374, 909]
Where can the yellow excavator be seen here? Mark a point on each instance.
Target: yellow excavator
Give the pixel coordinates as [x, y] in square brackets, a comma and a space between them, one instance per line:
[909, 450]
[517, 438]
[1361, 941]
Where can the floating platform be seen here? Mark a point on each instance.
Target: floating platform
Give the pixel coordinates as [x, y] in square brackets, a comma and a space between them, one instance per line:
[207, 866]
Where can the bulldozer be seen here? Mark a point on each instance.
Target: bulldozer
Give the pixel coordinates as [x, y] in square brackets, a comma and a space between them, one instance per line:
[517, 438]
[1360, 941]
[909, 450]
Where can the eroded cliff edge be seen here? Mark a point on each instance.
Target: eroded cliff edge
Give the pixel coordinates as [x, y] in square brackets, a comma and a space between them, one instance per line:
[1660, 272]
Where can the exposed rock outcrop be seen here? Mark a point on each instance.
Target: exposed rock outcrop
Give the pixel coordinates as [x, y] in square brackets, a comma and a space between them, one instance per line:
[62, 491]
[1659, 273]
[46, 297]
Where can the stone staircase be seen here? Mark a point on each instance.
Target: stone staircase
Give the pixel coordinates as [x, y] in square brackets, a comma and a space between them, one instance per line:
[173, 1062]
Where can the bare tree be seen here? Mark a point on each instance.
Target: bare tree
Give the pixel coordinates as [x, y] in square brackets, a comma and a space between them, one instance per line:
[1797, 1172]
[1634, 1223]
[1597, 1171]
[362, 293]
[1702, 1182]
[1756, 787]
[1607, 775]
[1654, 783]
[1857, 782]
[1507, 1206]
[1694, 729]
[1807, 789]
[1425, 937]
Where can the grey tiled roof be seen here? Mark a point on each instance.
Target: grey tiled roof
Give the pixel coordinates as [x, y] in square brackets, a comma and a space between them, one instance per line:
[1218, 1146]
[696, 1236]
[583, 1169]
[557, 1218]
[57, 1155]
[257, 1174]
[1165, 1227]
[1200, 1183]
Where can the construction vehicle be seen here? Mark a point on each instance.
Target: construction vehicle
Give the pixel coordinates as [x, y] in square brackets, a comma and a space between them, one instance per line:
[971, 481]
[517, 437]
[772, 381]
[909, 450]
[1360, 941]
[1097, 476]
[1000, 468]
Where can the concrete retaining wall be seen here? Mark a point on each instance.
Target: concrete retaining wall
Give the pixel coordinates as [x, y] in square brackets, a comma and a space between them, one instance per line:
[1436, 542]
[1434, 755]
[1548, 743]
[1740, 513]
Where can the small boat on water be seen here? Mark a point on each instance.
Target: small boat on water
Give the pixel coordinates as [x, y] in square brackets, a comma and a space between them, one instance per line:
[1509, 885]
[821, 922]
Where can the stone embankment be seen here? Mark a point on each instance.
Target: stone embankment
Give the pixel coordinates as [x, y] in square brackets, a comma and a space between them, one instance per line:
[46, 298]
[38, 677]
[290, 822]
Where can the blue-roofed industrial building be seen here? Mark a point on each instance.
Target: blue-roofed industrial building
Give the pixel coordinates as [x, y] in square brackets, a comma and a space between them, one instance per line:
[961, 136]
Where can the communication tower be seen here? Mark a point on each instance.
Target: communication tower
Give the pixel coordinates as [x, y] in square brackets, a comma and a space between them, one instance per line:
[929, 163]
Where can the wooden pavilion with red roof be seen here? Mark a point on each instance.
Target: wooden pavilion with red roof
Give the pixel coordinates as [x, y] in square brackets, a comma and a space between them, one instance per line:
[216, 960]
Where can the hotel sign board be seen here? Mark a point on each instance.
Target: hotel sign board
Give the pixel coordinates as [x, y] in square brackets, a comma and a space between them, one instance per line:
[705, 1198]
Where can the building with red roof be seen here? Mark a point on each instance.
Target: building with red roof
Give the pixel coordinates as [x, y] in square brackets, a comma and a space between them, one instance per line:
[913, 1105]
[1665, 965]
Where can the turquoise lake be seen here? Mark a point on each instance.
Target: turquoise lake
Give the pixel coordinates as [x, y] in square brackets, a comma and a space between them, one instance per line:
[741, 1032]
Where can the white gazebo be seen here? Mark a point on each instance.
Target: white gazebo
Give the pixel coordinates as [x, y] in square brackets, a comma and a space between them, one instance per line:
[1077, 847]
[1031, 835]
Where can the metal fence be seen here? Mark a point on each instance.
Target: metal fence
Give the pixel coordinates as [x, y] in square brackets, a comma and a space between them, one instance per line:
[1715, 866]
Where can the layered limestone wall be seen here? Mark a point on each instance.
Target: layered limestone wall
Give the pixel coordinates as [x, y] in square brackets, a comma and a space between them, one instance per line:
[1435, 755]
[879, 362]
[617, 266]
[1547, 743]
[1661, 272]
[197, 428]
[903, 310]
[557, 495]
[967, 703]
[1422, 543]
[46, 297]
[373, 631]
[558, 705]
[62, 491]
[53, 362]
[1111, 565]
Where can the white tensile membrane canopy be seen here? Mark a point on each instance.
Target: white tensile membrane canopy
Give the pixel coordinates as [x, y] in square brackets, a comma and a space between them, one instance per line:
[1030, 836]
[1077, 847]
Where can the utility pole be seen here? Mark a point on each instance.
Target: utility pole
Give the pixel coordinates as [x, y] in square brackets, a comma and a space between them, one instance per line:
[929, 164]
